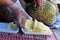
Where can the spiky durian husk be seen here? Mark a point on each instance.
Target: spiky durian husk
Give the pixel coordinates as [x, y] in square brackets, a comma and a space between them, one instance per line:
[47, 14]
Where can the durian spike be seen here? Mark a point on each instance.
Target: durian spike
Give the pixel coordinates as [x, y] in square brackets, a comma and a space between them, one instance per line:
[38, 3]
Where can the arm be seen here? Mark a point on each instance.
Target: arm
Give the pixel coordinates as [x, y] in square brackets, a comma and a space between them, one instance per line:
[18, 11]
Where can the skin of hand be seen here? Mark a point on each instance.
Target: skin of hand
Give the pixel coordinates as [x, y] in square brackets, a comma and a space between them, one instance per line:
[38, 3]
[18, 14]
[6, 2]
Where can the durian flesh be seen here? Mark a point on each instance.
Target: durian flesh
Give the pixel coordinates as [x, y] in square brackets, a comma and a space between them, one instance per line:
[12, 25]
[27, 24]
[36, 26]
[40, 27]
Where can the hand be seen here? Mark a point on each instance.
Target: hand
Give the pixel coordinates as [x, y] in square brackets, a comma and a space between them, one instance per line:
[23, 15]
[6, 2]
[20, 15]
[19, 12]
[38, 3]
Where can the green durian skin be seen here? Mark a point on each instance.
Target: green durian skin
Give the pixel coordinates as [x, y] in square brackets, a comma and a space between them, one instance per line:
[47, 14]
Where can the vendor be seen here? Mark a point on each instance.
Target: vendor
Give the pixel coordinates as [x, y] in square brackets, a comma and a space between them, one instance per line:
[19, 12]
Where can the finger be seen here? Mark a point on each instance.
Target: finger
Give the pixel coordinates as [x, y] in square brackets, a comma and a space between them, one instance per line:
[6, 2]
[24, 14]
[20, 23]
[9, 2]
[28, 16]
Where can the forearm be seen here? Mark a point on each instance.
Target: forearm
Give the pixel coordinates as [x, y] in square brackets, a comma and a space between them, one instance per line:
[16, 12]
[19, 12]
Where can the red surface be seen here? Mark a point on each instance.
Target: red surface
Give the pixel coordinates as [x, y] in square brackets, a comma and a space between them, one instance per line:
[6, 36]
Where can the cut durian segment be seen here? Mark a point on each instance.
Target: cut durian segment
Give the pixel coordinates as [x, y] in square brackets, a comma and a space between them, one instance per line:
[12, 25]
[35, 26]
[23, 21]
[27, 24]
[40, 27]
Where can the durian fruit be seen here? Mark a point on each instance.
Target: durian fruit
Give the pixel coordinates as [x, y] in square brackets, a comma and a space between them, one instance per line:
[46, 13]
[27, 24]
[40, 27]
